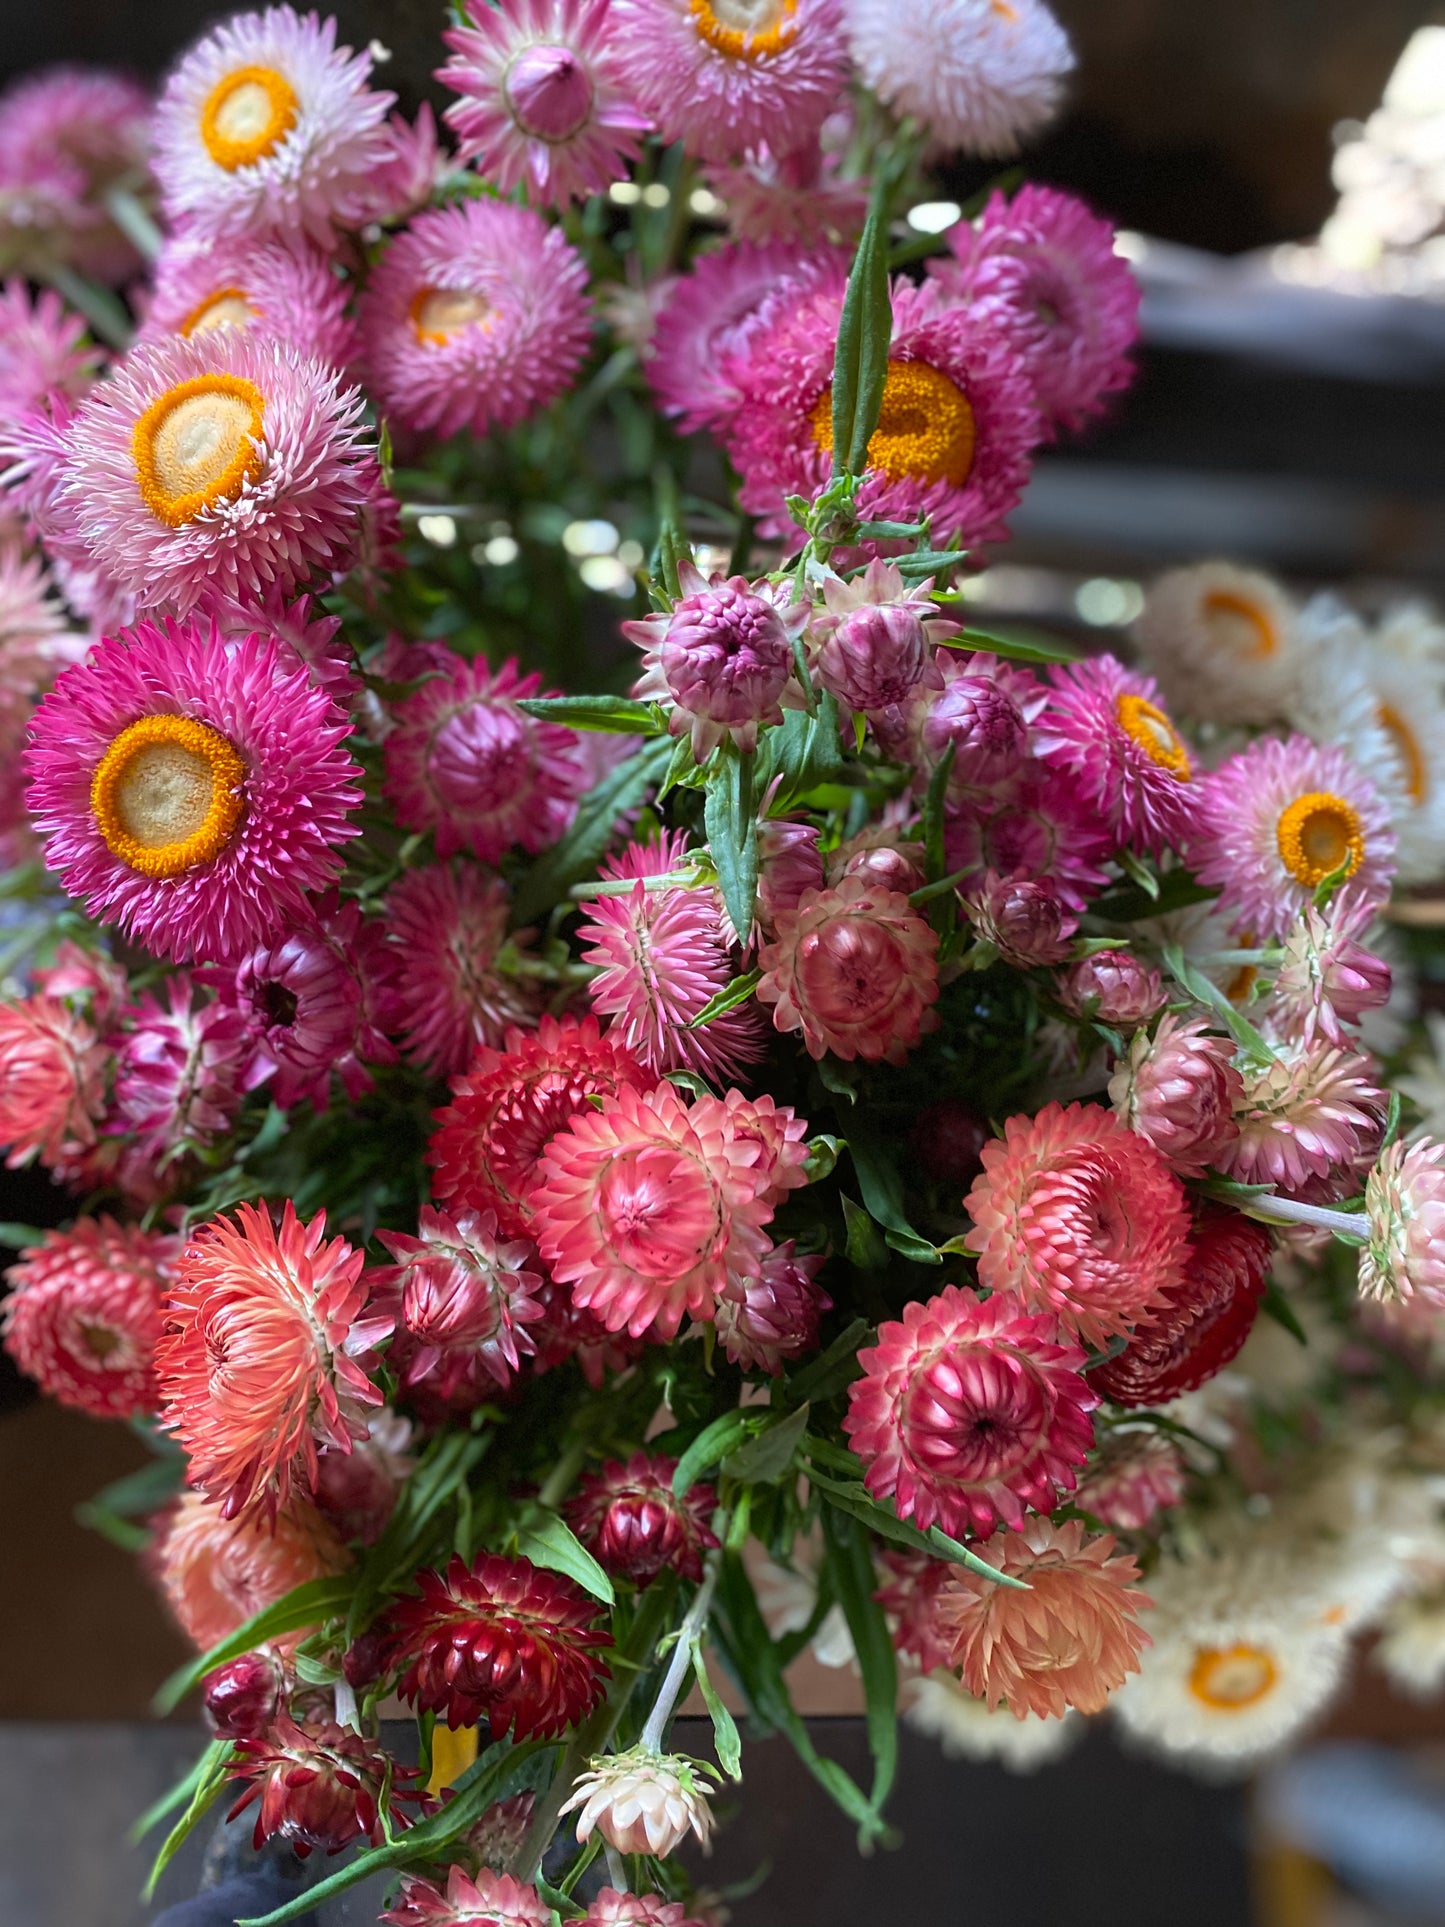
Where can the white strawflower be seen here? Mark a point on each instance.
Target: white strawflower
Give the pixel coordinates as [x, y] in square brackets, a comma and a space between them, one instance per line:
[1423, 1082]
[1221, 641]
[786, 1598]
[979, 75]
[935, 1704]
[1411, 1647]
[643, 1802]
[1412, 633]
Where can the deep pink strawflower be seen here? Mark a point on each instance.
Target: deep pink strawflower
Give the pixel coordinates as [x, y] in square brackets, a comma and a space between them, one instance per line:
[855, 969]
[180, 1072]
[1107, 728]
[465, 1298]
[52, 1067]
[769, 1316]
[488, 1900]
[909, 1593]
[84, 1315]
[1023, 917]
[1038, 823]
[445, 924]
[466, 763]
[1180, 1090]
[970, 1412]
[1328, 981]
[45, 355]
[1079, 1216]
[567, 1332]
[1137, 1476]
[319, 1785]
[633, 1524]
[1111, 987]
[1309, 1123]
[874, 640]
[312, 637]
[286, 290]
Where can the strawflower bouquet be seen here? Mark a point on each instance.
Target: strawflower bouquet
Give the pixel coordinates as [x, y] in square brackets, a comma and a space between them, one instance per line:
[608, 1152]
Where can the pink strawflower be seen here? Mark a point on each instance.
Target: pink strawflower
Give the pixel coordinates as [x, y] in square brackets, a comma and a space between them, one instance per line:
[984, 712]
[723, 76]
[970, 1412]
[1404, 1257]
[568, 1332]
[84, 1315]
[544, 103]
[67, 135]
[614, 1909]
[45, 354]
[799, 194]
[285, 290]
[789, 863]
[1134, 1478]
[414, 165]
[722, 657]
[1067, 1641]
[180, 1072]
[264, 1355]
[954, 438]
[215, 1572]
[635, 1526]
[855, 969]
[645, 1206]
[445, 925]
[489, 1900]
[475, 317]
[33, 644]
[874, 639]
[1105, 727]
[1309, 1122]
[1037, 824]
[512, 1103]
[911, 1586]
[1328, 981]
[771, 1315]
[312, 637]
[191, 791]
[357, 1491]
[267, 127]
[498, 1837]
[1023, 917]
[1180, 1090]
[663, 956]
[216, 465]
[52, 1071]
[311, 1003]
[466, 763]
[1276, 819]
[1047, 267]
[465, 1298]
[779, 1140]
[1111, 987]
[88, 977]
[1080, 1217]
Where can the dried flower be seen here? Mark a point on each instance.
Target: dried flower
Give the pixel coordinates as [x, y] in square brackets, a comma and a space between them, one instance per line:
[1136, 1476]
[1023, 917]
[768, 1316]
[642, 1802]
[1180, 1090]
[320, 1785]
[1405, 1201]
[1111, 987]
[216, 1573]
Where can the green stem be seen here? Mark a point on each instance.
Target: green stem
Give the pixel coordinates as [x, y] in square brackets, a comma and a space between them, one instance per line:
[133, 219]
[559, 1479]
[681, 1663]
[107, 317]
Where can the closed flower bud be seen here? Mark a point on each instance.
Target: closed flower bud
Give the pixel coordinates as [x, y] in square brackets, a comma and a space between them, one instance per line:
[1111, 987]
[642, 1802]
[979, 717]
[243, 1699]
[628, 1517]
[1023, 917]
[876, 657]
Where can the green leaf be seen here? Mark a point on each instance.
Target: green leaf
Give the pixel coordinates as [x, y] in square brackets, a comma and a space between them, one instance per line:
[1140, 873]
[865, 334]
[178, 1795]
[822, 1156]
[1178, 890]
[883, 1194]
[769, 1455]
[803, 749]
[1203, 991]
[549, 1541]
[724, 1726]
[308, 1605]
[926, 562]
[582, 848]
[144, 1491]
[862, 1244]
[617, 713]
[854, 1497]
[730, 815]
[712, 1443]
[210, 1777]
[728, 998]
[1016, 648]
[854, 1581]
[831, 1370]
[1282, 1312]
[19, 1237]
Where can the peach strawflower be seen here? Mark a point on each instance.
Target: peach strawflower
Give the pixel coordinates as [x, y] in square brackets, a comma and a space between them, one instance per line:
[51, 1071]
[1069, 1640]
[1080, 1217]
[263, 1359]
[215, 1573]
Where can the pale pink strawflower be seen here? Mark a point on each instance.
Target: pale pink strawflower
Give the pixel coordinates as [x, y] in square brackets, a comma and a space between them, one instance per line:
[612, 1908]
[85, 977]
[268, 127]
[543, 101]
[1080, 1217]
[52, 1071]
[286, 290]
[970, 1412]
[497, 1839]
[1023, 917]
[489, 1900]
[218, 465]
[33, 642]
[798, 194]
[643, 1802]
[475, 317]
[1038, 823]
[909, 1594]
[180, 1072]
[855, 969]
[1404, 1256]
[662, 956]
[874, 639]
[721, 657]
[788, 864]
[1328, 981]
[1106, 728]
[68, 135]
[1180, 1090]
[977, 75]
[446, 994]
[413, 165]
[1047, 267]
[465, 1297]
[1066, 1642]
[45, 354]
[1278, 818]
[1310, 1122]
[215, 1572]
[1111, 987]
[646, 1205]
[1134, 1478]
[191, 790]
[767, 1316]
[723, 76]
[466, 763]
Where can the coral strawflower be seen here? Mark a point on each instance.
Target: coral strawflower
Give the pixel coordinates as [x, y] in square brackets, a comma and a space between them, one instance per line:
[52, 1067]
[216, 1573]
[489, 1900]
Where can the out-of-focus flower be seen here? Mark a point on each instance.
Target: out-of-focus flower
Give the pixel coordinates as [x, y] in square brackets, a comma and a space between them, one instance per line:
[1105, 726]
[1222, 641]
[1135, 1477]
[642, 1802]
[216, 1573]
[285, 290]
[52, 1067]
[1405, 1201]
[45, 356]
[1111, 987]
[67, 136]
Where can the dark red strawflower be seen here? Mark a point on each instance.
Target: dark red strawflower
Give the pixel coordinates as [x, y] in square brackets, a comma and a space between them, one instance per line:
[244, 1698]
[569, 1330]
[500, 1640]
[631, 1522]
[1203, 1321]
[319, 1785]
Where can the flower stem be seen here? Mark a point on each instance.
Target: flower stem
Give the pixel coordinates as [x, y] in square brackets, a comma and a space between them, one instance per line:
[133, 219]
[560, 1478]
[681, 1661]
[1272, 1210]
[107, 318]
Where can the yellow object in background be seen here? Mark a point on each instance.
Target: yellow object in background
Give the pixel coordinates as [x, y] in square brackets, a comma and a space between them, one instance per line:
[451, 1754]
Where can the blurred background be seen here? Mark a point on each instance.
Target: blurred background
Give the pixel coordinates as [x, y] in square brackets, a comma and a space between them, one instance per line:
[1278, 167]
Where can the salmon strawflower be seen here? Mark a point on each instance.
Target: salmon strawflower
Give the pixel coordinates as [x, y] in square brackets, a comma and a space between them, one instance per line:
[52, 1070]
[1137, 1476]
[1180, 1090]
[216, 1573]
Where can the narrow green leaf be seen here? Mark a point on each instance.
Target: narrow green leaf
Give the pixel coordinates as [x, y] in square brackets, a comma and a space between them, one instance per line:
[124, 1533]
[616, 713]
[854, 1581]
[831, 1370]
[865, 326]
[883, 1194]
[1016, 648]
[179, 1794]
[210, 1779]
[1141, 874]
[713, 1443]
[144, 1491]
[863, 1243]
[549, 1541]
[929, 562]
[308, 1605]
[855, 1498]
[728, 998]
[19, 1237]
[724, 1726]
[582, 848]
[769, 1455]
[1203, 991]
[731, 819]
[1282, 1312]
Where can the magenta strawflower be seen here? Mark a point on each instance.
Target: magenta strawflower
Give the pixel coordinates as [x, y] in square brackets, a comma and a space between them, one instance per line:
[52, 1082]
[723, 76]
[1111, 987]
[970, 1412]
[268, 127]
[663, 956]
[635, 1526]
[1309, 1122]
[314, 638]
[445, 994]
[874, 640]
[544, 103]
[984, 711]
[1278, 818]
[1328, 981]
[475, 317]
[466, 1296]
[466, 763]
[855, 969]
[45, 355]
[181, 1071]
[489, 1900]
[217, 464]
[1023, 917]
[1105, 727]
[1180, 1089]
[191, 791]
[722, 657]
[1047, 267]
[285, 290]
[68, 135]
[1404, 1257]
[1037, 824]
[768, 1316]
[1134, 1478]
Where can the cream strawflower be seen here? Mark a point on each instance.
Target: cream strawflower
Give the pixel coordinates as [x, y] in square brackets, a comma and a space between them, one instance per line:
[938, 1706]
[1411, 1648]
[643, 1802]
[1423, 1081]
[1222, 641]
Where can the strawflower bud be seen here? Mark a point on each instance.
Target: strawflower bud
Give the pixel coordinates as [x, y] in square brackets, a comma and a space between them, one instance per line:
[643, 1802]
[985, 726]
[1111, 987]
[1405, 1204]
[1023, 917]
[628, 1517]
[320, 1785]
[875, 657]
[243, 1699]
[1180, 1090]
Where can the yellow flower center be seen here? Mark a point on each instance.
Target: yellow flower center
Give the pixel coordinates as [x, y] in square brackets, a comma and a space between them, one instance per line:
[925, 427]
[247, 116]
[745, 29]
[1239, 625]
[1317, 835]
[226, 308]
[1146, 724]
[1230, 1678]
[437, 313]
[195, 445]
[1406, 745]
[167, 794]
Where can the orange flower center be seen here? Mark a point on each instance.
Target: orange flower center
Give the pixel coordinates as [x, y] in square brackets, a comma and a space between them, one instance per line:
[926, 430]
[196, 444]
[247, 115]
[1319, 834]
[166, 795]
[1406, 745]
[1230, 1678]
[745, 29]
[1240, 625]
[226, 308]
[1147, 725]
[438, 313]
